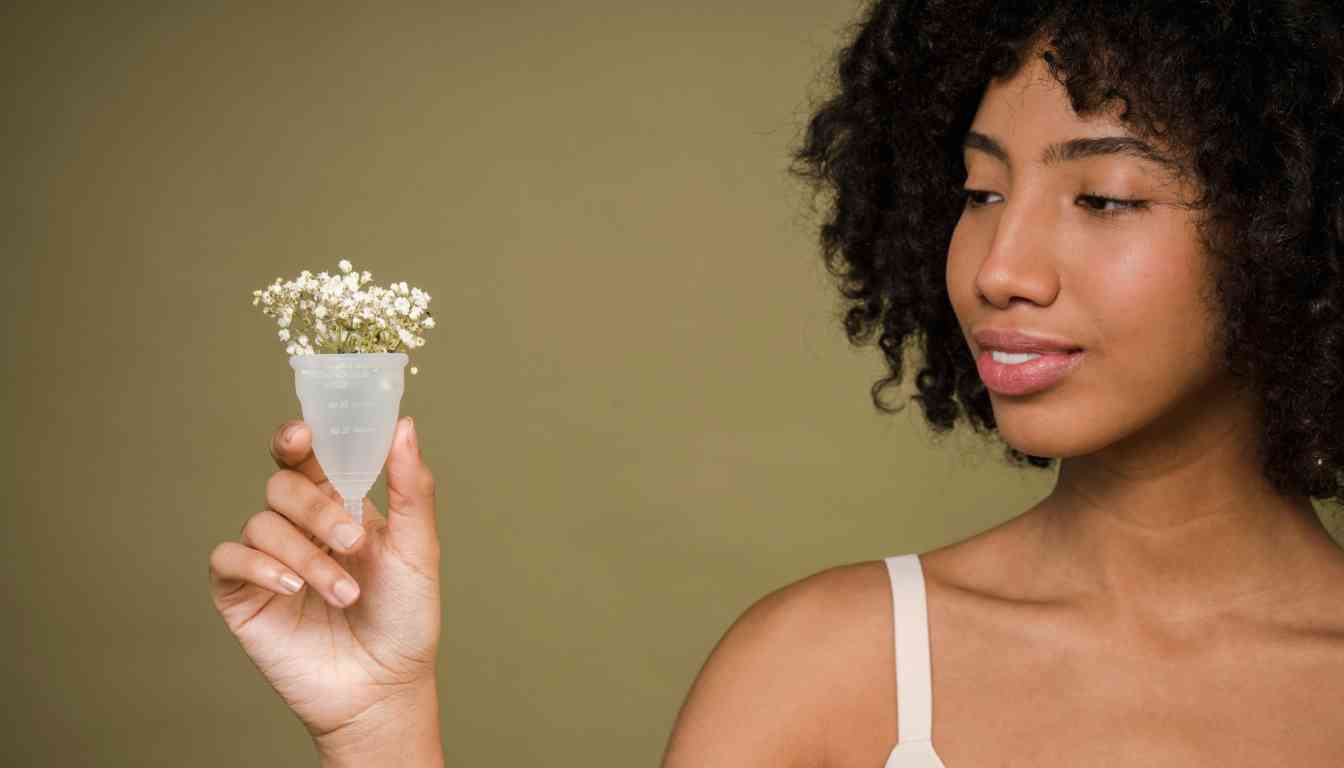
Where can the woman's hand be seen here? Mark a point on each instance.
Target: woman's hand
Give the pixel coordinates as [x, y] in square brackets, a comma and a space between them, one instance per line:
[353, 665]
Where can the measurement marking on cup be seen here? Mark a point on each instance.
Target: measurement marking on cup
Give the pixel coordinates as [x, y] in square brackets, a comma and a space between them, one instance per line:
[347, 429]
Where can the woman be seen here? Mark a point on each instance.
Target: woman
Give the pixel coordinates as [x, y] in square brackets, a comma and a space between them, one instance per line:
[1115, 234]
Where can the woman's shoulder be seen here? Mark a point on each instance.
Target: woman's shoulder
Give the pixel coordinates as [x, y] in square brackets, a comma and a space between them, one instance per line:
[837, 624]
[851, 599]
[845, 607]
[824, 619]
[770, 686]
[840, 589]
[813, 659]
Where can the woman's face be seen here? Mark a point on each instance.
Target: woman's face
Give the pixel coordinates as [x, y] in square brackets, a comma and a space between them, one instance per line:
[1036, 250]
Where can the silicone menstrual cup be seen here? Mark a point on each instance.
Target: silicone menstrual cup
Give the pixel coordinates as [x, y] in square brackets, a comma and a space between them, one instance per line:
[351, 402]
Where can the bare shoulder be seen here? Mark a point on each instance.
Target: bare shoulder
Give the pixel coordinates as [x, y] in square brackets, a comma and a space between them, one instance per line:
[772, 687]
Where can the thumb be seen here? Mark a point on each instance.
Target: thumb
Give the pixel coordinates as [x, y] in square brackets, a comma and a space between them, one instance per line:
[411, 520]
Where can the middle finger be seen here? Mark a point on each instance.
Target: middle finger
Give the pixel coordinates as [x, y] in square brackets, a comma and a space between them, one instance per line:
[294, 496]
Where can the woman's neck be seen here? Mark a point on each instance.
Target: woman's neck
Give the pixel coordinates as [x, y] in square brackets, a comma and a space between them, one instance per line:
[1188, 542]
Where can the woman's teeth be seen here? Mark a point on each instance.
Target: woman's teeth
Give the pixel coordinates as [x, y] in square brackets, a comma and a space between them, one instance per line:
[1012, 358]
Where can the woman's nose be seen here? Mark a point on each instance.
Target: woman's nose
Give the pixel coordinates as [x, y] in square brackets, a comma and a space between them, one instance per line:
[1022, 257]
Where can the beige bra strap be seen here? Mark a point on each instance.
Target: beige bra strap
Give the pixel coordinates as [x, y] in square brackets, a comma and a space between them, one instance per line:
[914, 695]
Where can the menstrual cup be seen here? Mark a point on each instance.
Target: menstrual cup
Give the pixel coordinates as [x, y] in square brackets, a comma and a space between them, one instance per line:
[351, 402]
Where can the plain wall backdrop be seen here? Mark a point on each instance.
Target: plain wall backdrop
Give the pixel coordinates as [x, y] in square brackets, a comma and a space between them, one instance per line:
[639, 402]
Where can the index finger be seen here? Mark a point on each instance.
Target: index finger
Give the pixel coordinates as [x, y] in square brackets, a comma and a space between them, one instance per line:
[296, 453]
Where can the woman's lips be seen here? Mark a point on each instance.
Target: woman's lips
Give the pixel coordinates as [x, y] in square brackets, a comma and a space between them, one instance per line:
[1029, 377]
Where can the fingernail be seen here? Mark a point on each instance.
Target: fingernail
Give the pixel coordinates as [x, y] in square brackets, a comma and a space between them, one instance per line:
[345, 591]
[291, 582]
[346, 534]
[289, 433]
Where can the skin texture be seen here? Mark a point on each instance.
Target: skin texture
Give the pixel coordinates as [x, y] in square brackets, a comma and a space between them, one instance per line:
[1163, 606]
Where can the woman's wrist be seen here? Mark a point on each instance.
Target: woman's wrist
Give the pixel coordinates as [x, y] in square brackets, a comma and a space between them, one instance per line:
[402, 730]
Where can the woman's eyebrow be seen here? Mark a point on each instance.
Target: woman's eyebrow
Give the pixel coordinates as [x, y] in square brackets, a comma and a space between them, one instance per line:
[1074, 149]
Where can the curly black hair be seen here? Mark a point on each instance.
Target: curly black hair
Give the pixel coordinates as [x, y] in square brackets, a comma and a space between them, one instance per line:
[1248, 93]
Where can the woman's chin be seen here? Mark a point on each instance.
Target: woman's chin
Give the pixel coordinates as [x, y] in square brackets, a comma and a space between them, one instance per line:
[1046, 438]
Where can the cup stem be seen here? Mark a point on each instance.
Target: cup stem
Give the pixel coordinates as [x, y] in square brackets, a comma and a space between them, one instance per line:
[356, 509]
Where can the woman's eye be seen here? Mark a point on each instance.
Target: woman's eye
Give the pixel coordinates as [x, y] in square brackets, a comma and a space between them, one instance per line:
[1102, 206]
[973, 197]
[1099, 205]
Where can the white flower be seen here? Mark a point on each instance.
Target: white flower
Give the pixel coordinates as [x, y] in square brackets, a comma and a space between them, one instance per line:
[343, 313]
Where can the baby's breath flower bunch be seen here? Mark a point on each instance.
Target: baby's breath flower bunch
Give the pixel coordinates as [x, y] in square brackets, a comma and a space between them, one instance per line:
[336, 313]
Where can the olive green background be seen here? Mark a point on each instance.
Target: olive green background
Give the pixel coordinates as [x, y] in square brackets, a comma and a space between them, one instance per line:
[638, 402]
